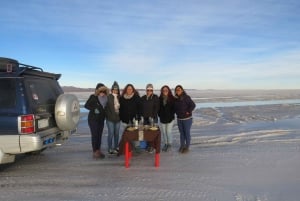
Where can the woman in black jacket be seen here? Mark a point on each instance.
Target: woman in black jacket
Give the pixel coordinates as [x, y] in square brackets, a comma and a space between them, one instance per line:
[96, 105]
[129, 105]
[184, 106]
[166, 115]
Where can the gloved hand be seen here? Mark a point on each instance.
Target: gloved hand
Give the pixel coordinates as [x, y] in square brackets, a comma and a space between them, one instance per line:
[97, 111]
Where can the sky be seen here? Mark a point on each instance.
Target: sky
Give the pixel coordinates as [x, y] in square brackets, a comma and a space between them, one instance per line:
[200, 44]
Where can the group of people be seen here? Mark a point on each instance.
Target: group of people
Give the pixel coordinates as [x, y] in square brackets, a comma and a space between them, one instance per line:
[119, 109]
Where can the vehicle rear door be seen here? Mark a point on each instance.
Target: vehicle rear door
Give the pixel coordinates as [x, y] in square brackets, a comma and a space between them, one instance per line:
[42, 94]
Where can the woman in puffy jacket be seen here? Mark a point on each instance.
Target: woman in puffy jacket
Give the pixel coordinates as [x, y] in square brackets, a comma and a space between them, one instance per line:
[96, 105]
[184, 106]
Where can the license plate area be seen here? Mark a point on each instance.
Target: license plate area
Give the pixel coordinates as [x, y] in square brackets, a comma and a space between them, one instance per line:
[43, 123]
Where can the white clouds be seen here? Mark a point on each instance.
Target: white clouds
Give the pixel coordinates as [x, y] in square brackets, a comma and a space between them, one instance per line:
[131, 63]
[211, 44]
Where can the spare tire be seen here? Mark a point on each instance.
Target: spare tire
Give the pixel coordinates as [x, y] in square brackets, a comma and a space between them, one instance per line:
[67, 112]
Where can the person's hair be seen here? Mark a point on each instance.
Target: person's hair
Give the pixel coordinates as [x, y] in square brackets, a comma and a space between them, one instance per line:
[170, 95]
[125, 89]
[179, 86]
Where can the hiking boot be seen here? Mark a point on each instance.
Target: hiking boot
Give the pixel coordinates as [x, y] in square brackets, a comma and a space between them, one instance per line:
[165, 148]
[180, 149]
[113, 151]
[137, 149]
[150, 150]
[101, 155]
[185, 150]
[96, 154]
[168, 147]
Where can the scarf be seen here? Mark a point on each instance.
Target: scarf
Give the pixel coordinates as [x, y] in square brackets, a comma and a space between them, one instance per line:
[102, 100]
[165, 100]
[116, 103]
[126, 96]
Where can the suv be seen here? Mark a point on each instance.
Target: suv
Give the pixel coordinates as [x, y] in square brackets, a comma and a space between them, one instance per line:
[34, 112]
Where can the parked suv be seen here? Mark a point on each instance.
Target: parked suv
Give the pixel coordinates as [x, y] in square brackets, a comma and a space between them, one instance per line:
[34, 112]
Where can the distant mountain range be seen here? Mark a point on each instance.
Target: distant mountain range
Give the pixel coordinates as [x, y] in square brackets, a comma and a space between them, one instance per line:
[76, 89]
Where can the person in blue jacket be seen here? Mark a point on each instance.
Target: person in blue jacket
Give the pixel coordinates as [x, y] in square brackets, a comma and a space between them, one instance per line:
[184, 107]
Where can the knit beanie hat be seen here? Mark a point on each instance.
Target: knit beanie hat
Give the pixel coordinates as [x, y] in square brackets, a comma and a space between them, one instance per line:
[115, 86]
[149, 86]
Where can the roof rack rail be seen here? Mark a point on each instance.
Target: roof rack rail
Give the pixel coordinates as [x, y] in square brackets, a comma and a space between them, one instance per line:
[31, 67]
[9, 67]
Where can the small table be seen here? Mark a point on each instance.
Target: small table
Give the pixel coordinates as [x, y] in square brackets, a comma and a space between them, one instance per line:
[151, 136]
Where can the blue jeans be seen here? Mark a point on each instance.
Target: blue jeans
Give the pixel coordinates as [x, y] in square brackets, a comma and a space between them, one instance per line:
[184, 127]
[113, 133]
[167, 132]
[122, 129]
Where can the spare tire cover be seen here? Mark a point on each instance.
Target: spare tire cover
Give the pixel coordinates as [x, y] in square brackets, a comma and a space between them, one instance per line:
[67, 112]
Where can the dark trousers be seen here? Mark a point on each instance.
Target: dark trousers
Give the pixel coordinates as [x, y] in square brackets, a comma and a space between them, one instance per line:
[96, 128]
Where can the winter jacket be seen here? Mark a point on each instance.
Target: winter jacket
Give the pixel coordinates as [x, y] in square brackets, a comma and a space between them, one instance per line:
[166, 112]
[111, 114]
[96, 110]
[149, 106]
[129, 108]
[184, 106]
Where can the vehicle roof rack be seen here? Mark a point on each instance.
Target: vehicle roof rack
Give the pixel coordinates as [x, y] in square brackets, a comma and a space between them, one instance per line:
[9, 67]
[31, 67]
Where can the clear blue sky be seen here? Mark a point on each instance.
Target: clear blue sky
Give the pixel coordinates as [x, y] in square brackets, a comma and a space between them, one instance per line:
[202, 44]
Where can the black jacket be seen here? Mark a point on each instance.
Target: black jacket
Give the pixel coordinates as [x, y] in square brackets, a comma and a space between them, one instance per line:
[150, 106]
[166, 112]
[129, 108]
[92, 104]
[184, 106]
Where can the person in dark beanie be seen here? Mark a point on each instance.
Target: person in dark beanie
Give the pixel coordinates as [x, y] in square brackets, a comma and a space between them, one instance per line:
[112, 118]
[96, 105]
[184, 106]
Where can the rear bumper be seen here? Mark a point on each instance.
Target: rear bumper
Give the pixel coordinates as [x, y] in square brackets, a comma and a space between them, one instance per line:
[29, 143]
[18, 144]
[11, 145]
[40, 141]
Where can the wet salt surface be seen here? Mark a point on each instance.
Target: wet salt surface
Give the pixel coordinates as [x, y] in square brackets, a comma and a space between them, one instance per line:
[246, 103]
[249, 153]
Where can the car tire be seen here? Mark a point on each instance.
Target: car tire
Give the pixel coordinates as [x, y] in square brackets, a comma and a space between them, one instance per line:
[67, 112]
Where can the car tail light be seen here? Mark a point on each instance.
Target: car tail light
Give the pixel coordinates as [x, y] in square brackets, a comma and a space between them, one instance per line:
[26, 124]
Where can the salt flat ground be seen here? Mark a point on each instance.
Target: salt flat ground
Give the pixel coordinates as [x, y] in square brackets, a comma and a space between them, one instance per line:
[249, 153]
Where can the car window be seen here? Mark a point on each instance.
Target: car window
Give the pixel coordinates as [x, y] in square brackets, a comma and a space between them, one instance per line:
[7, 93]
[42, 91]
